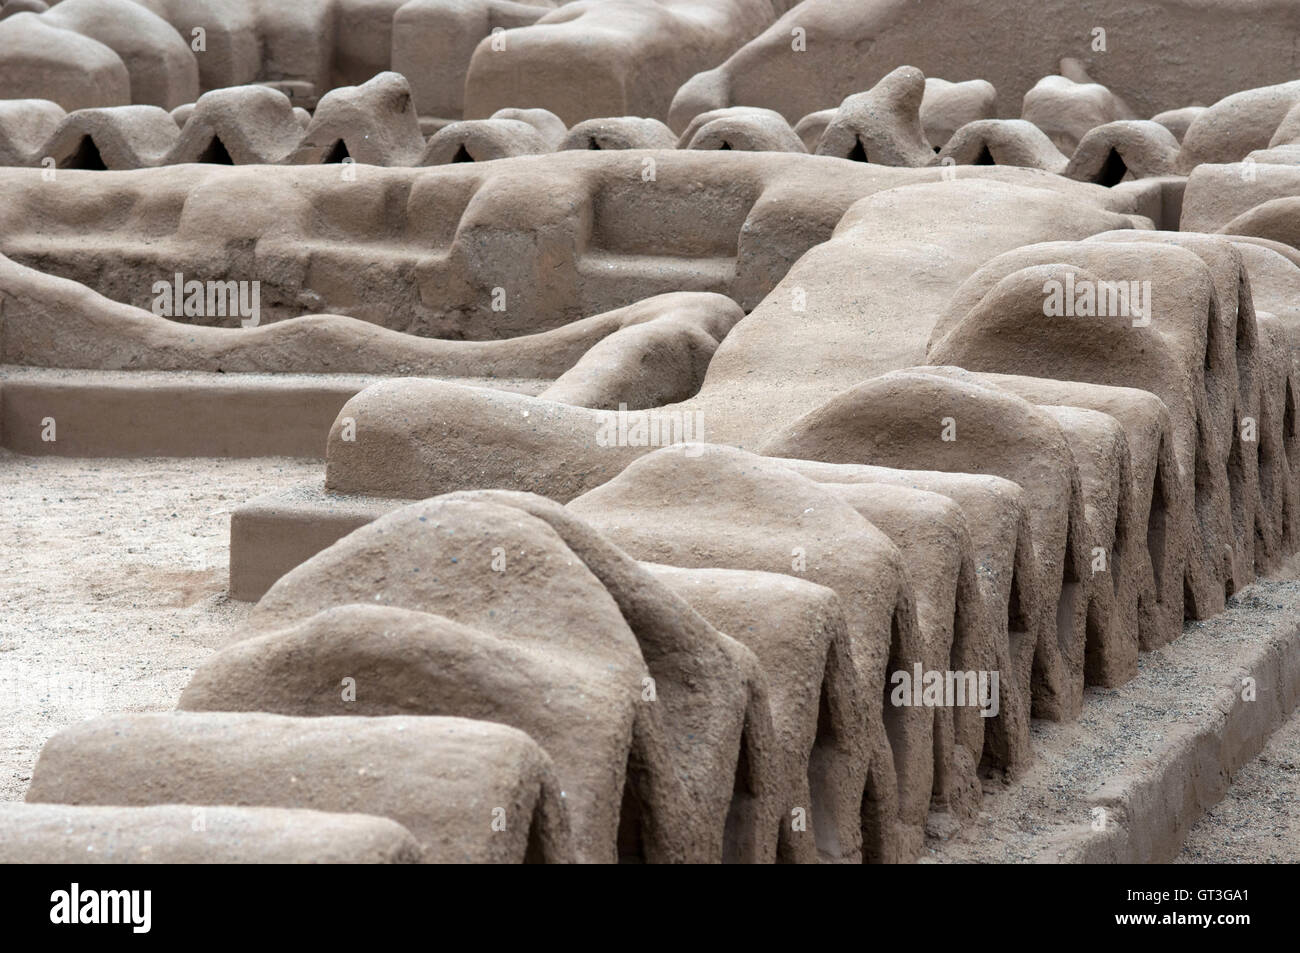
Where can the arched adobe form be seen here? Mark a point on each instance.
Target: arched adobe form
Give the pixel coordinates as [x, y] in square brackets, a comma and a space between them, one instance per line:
[772, 520]
[440, 778]
[799, 633]
[916, 419]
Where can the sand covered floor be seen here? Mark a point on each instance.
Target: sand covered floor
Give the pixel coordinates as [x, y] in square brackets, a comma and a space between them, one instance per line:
[1259, 820]
[114, 586]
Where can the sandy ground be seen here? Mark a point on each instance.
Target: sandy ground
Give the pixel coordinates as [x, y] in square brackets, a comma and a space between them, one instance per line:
[1258, 821]
[114, 574]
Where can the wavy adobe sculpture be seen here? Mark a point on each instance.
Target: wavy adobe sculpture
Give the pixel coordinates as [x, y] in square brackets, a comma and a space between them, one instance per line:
[677, 506]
